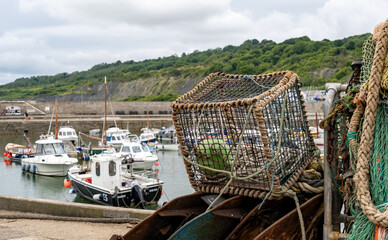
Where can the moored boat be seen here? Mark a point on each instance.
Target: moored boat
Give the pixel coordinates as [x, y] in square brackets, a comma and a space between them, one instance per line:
[16, 152]
[137, 155]
[68, 133]
[103, 182]
[50, 158]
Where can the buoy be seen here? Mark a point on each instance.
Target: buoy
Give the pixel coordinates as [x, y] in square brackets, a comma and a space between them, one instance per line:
[9, 155]
[161, 194]
[67, 183]
[28, 138]
[5, 154]
[23, 167]
[28, 167]
[71, 191]
[87, 158]
[214, 154]
[157, 163]
[33, 169]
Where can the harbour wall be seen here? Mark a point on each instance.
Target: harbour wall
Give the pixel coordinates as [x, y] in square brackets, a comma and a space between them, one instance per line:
[69, 209]
[40, 126]
[84, 117]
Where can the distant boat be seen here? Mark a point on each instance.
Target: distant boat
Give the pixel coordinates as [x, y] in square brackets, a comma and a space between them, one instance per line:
[68, 133]
[148, 137]
[95, 132]
[116, 137]
[16, 152]
[137, 155]
[168, 147]
[104, 183]
[50, 158]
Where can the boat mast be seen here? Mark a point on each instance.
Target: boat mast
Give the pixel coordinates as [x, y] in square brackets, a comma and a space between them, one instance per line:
[56, 119]
[104, 140]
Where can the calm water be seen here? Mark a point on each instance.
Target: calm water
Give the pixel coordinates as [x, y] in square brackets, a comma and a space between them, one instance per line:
[14, 182]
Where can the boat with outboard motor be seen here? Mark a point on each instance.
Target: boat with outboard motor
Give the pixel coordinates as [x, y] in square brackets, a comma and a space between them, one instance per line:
[102, 181]
[50, 158]
[16, 152]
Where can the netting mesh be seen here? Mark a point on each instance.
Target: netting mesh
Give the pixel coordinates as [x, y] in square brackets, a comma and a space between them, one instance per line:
[368, 50]
[234, 123]
[379, 158]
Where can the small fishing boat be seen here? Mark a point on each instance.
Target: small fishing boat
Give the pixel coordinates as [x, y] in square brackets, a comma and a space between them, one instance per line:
[137, 155]
[103, 182]
[95, 132]
[68, 133]
[16, 152]
[50, 158]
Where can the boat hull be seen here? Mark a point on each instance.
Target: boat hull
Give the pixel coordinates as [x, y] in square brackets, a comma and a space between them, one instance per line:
[56, 170]
[121, 198]
[87, 191]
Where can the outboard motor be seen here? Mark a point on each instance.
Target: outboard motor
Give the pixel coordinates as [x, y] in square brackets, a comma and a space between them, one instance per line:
[137, 194]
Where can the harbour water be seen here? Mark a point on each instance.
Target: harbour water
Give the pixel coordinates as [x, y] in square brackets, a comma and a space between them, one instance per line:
[15, 182]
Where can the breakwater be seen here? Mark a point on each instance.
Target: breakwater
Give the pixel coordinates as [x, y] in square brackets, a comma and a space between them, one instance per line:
[12, 126]
[84, 116]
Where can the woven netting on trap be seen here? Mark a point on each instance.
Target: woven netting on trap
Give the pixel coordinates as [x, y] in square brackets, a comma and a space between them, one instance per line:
[254, 127]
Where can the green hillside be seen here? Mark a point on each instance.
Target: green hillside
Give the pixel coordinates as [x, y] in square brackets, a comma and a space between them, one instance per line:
[316, 62]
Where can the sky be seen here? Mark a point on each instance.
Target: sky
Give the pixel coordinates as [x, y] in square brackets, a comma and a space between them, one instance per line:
[46, 37]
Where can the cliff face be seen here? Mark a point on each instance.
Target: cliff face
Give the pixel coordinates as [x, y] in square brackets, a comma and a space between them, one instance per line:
[121, 90]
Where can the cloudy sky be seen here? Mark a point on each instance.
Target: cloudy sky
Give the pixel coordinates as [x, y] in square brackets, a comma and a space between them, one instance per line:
[45, 37]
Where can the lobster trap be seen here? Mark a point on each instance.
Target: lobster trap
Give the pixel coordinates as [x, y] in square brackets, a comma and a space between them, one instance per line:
[253, 127]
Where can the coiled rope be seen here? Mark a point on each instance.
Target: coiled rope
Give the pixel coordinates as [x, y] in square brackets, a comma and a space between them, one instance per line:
[362, 168]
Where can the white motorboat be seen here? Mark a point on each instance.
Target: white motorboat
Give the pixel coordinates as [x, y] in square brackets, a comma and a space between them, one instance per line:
[148, 137]
[68, 133]
[137, 155]
[103, 182]
[50, 158]
[116, 137]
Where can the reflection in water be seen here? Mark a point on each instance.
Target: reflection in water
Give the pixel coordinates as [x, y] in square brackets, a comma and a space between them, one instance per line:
[15, 182]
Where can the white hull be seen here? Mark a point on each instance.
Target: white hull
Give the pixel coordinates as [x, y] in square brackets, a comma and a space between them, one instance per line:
[140, 165]
[57, 170]
[168, 147]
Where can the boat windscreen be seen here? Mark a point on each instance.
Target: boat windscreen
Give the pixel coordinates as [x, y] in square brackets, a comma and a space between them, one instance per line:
[53, 148]
[136, 149]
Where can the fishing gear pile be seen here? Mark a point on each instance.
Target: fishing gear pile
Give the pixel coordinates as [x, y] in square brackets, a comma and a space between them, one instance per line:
[358, 142]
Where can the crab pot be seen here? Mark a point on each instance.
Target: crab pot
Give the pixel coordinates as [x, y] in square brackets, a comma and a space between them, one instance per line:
[234, 123]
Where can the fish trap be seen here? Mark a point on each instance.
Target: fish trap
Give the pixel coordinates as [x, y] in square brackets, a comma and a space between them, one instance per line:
[254, 127]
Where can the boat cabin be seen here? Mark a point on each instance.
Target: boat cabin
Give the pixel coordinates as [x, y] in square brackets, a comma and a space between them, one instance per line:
[106, 171]
[49, 147]
[67, 133]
